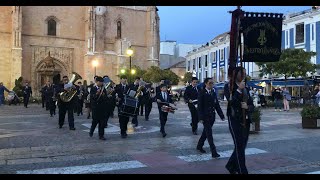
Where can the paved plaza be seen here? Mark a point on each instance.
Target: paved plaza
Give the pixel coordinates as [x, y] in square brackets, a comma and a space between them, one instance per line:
[32, 143]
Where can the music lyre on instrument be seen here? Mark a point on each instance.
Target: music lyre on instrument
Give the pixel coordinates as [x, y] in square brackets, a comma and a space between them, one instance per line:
[167, 108]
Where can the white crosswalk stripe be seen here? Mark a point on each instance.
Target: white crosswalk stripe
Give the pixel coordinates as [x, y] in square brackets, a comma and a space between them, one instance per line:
[224, 154]
[95, 168]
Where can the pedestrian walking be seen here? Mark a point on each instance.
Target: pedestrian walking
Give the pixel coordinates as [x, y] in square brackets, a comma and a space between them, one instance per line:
[2, 89]
[27, 93]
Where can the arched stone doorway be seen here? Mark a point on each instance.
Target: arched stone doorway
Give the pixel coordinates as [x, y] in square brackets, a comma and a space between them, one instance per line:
[48, 69]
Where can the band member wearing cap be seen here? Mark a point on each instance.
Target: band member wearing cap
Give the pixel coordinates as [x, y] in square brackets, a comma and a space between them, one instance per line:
[240, 106]
[163, 98]
[120, 91]
[207, 105]
[98, 97]
[65, 107]
[191, 95]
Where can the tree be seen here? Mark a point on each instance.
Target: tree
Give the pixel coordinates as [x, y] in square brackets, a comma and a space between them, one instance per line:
[154, 74]
[18, 87]
[293, 62]
[187, 77]
[138, 72]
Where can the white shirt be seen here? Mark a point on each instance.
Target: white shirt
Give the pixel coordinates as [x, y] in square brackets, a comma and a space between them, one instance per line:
[164, 95]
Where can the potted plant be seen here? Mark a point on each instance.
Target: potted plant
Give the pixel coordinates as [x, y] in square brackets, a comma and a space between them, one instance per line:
[310, 117]
[255, 118]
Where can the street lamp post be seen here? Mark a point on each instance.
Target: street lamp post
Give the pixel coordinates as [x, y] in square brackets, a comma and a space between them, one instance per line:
[130, 53]
[95, 64]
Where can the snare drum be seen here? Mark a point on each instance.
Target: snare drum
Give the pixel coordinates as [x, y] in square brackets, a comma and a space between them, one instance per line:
[129, 106]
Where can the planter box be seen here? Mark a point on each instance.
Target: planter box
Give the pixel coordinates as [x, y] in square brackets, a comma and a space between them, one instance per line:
[255, 127]
[311, 123]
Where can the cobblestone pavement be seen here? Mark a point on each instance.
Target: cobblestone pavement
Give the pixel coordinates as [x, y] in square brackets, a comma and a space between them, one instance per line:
[31, 142]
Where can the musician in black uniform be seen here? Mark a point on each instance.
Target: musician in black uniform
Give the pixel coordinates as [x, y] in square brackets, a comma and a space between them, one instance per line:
[48, 92]
[122, 89]
[148, 100]
[27, 92]
[65, 107]
[207, 105]
[240, 106]
[109, 103]
[135, 87]
[98, 96]
[88, 103]
[163, 98]
[43, 97]
[80, 99]
[158, 90]
[190, 95]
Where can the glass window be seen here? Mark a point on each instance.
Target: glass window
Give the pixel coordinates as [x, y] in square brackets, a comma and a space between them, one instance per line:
[199, 62]
[119, 29]
[52, 27]
[206, 60]
[221, 79]
[188, 65]
[222, 54]
[299, 33]
[194, 64]
[214, 76]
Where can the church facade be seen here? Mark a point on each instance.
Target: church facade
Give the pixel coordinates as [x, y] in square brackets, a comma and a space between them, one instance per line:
[43, 43]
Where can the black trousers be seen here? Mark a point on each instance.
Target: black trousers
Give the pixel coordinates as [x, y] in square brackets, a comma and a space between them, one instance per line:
[98, 119]
[240, 137]
[207, 133]
[26, 100]
[148, 108]
[52, 107]
[194, 117]
[141, 107]
[163, 120]
[63, 109]
[43, 100]
[79, 106]
[108, 112]
[123, 120]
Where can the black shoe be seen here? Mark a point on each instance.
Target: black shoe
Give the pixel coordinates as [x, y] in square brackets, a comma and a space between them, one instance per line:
[147, 119]
[60, 127]
[50, 115]
[123, 136]
[73, 129]
[136, 125]
[201, 149]
[164, 134]
[90, 134]
[102, 138]
[195, 133]
[231, 170]
[88, 117]
[191, 124]
[215, 155]
[78, 114]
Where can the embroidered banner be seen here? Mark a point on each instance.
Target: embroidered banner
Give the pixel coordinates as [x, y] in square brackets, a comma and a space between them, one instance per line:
[262, 37]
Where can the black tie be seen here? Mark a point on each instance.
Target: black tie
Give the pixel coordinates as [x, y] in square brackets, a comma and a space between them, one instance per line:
[123, 88]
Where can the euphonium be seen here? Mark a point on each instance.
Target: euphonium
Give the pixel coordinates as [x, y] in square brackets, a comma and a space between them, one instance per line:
[68, 95]
[139, 90]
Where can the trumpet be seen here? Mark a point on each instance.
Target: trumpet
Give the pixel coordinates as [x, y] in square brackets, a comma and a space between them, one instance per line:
[142, 85]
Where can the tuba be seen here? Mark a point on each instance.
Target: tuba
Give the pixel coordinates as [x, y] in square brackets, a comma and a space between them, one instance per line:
[68, 95]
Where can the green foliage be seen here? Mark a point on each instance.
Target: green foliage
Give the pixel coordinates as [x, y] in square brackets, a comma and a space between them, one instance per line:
[18, 87]
[310, 112]
[155, 74]
[187, 77]
[256, 115]
[293, 62]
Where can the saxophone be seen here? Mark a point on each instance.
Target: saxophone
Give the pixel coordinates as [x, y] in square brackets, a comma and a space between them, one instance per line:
[68, 95]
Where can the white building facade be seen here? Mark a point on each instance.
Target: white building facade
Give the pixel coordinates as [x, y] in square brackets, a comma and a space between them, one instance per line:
[211, 60]
[302, 30]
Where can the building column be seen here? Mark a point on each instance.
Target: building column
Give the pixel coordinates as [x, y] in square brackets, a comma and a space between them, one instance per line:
[16, 63]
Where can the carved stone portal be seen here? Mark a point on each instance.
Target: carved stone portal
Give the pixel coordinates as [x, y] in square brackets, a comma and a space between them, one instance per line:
[49, 62]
